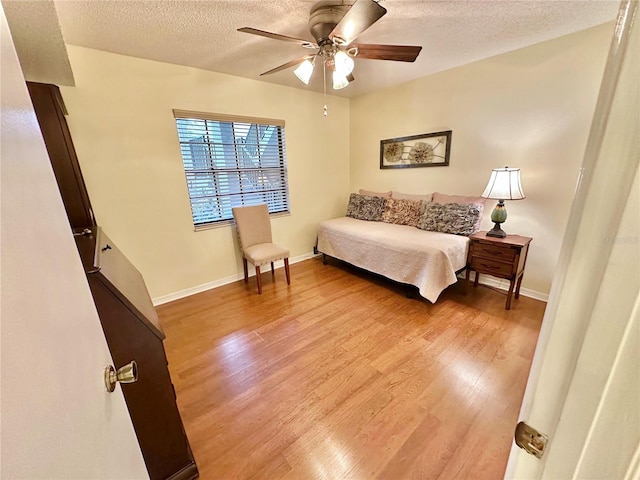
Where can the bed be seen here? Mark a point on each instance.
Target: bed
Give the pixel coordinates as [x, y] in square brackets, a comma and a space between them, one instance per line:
[426, 259]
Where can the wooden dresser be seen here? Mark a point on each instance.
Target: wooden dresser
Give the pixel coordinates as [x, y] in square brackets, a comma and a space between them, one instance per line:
[499, 257]
[133, 332]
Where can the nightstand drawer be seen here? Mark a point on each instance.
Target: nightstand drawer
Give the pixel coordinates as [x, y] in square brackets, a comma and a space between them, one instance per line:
[484, 265]
[491, 251]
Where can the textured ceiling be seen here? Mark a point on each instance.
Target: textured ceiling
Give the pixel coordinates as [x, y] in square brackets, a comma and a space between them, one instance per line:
[38, 40]
[203, 33]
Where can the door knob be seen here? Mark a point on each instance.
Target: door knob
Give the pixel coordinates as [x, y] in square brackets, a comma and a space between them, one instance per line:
[125, 374]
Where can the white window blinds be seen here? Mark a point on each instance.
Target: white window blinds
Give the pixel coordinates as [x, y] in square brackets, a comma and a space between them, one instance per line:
[232, 161]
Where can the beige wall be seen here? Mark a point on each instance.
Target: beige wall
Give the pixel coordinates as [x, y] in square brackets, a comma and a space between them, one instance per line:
[120, 116]
[531, 108]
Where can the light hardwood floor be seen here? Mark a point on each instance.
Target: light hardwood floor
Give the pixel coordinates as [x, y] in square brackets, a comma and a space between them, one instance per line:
[341, 375]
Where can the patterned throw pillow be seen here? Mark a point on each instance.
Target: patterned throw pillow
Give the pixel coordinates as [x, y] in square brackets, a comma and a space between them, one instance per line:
[462, 200]
[402, 212]
[365, 207]
[451, 218]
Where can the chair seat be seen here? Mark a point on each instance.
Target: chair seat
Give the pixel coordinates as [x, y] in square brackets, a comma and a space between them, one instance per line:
[265, 253]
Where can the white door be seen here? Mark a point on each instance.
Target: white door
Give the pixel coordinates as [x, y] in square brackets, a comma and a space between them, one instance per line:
[584, 385]
[57, 421]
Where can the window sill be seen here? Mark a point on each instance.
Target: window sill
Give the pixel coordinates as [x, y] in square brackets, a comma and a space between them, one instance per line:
[228, 223]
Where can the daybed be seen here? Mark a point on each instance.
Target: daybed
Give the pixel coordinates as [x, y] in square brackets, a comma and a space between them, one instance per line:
[417, 240]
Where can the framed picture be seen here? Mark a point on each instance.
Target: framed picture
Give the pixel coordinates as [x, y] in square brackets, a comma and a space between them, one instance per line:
[426, 150]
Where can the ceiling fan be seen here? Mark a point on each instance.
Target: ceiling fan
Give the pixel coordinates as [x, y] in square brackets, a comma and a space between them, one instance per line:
[335, 26]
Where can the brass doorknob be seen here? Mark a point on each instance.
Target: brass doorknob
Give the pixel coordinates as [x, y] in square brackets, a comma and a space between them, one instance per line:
[125, 374]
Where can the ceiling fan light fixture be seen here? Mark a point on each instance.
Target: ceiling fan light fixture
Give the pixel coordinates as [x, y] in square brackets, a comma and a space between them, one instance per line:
[304, 71]
[343, 63]
[335, 25]
[339, 80]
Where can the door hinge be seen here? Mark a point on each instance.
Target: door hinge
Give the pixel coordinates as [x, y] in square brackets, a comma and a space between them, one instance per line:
[530, 440]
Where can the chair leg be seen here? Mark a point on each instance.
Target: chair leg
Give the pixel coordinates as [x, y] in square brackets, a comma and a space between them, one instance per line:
[246, 270]
[286, 269]
[259, 279]
[273, 272]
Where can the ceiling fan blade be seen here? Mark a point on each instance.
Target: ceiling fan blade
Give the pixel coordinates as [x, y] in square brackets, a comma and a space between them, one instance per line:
[398, 53]
[358, 18]
[290, 64]
[277, 36]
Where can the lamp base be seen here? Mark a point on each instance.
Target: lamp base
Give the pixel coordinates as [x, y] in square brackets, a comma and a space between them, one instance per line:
[496, 231]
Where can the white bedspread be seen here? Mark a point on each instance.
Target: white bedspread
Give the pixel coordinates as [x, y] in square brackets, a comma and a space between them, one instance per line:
[402, 253]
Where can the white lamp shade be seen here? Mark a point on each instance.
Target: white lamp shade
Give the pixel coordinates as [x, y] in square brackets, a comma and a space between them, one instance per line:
[339, 81]
[343, 63]
[504, 184]
[304, 71]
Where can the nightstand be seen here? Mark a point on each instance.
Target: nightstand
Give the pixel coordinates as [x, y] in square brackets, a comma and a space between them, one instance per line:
[500, 257]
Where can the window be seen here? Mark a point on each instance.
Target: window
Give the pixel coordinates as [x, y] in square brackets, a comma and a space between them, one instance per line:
[232, 161]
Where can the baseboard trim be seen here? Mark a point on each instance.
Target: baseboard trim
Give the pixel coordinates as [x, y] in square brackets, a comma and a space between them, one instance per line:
[503, 284]
[220, 282]
[487, 280]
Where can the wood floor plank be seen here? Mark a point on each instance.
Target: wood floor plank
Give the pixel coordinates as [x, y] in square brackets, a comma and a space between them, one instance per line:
[330, 449]
[340, 375]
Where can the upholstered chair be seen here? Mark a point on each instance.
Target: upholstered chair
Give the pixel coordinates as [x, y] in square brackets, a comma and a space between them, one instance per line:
[254, 233]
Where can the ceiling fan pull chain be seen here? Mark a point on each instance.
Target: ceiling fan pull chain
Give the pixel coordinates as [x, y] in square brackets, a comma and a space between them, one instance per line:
[324, 84]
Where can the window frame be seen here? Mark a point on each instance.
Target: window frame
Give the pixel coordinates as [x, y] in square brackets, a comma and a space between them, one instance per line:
[228, 200]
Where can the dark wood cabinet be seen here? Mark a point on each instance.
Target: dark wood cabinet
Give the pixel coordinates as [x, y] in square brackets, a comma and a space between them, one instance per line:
[50, 111]
[133, 332]
[127, 315]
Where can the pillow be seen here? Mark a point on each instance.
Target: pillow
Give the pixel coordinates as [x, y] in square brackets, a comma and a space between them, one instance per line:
[456, 218]
[402, 212]
[365, 207]
[410, 196]
[461, 199]
[375, 194]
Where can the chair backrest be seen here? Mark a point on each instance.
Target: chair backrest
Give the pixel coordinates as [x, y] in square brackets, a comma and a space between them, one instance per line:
[253, 224]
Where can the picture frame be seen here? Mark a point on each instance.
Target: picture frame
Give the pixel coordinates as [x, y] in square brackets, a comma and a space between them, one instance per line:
[416, 151]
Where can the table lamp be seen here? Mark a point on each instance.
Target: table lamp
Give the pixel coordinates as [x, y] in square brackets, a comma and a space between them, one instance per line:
[504, 184]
